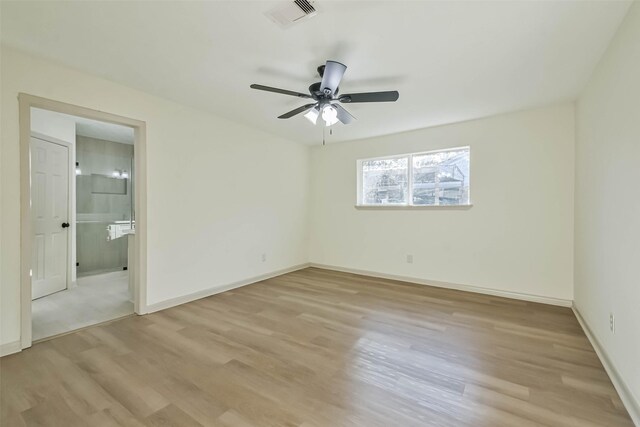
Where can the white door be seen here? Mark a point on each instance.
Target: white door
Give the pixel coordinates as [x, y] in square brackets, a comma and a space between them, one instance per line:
[50, 217]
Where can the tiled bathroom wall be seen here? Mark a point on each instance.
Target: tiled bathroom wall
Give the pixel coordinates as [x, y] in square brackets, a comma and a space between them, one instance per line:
[103, 197]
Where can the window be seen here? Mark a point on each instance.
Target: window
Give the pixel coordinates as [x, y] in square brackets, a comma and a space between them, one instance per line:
[434, 178]
[385, 181]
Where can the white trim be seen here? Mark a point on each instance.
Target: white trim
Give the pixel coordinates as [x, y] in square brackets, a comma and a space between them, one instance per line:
[631, 403]
[416, 153]
[392, 206]
[466, 288]
[162, 305]
[409, 182]
[51, 139]
[10, 348]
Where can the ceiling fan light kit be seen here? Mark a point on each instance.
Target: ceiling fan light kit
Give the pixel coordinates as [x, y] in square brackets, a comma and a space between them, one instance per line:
[312, 115]
[325, 94]
[329, 115]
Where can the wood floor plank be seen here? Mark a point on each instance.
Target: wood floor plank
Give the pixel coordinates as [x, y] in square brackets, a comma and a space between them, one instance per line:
[318, 348]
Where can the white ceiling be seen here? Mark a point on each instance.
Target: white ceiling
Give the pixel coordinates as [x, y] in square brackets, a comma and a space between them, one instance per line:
[88, 127]
[450, 60]
[103, 130]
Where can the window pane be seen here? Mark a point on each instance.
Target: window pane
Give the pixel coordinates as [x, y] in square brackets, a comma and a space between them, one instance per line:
[441, 178]
[385, 181]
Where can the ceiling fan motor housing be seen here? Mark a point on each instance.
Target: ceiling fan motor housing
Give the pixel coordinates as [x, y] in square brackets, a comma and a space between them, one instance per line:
[316, 93]
[325, 94]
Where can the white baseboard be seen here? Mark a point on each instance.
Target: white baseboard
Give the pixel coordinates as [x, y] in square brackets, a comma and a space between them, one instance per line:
[447, 285]
[10, 348]
[218, 289]
[630, 401]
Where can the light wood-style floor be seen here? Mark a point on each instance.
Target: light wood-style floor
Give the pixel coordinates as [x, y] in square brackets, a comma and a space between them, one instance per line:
[319, 348]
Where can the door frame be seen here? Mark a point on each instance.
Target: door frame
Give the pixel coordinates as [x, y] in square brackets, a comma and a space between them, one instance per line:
[70, 195]
[26, 102]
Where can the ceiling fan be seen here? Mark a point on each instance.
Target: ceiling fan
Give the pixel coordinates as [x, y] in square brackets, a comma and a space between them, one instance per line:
[326, 99]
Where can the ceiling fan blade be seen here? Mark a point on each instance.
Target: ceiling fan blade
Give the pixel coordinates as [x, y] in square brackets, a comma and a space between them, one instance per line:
[390, 96]
[333, 72]
[343, 115]
[296, 111]
[281, 91]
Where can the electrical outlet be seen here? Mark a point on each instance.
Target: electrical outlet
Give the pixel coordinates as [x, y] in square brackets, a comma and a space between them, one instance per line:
[612, 323]
[409, 259]
[264, 257]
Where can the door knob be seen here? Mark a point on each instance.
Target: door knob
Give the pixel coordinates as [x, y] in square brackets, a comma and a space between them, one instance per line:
[65, 224]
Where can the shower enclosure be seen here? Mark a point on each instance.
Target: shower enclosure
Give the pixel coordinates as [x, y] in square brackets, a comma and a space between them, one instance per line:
[104, 205]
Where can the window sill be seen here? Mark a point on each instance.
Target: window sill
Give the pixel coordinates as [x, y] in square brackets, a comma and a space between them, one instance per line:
[412, 207]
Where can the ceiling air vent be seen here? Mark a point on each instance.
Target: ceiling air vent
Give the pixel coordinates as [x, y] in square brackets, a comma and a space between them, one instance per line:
[305, 6]
[290, 13]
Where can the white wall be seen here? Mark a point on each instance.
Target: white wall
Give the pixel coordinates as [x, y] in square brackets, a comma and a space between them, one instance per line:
[57, 125]
[607, 203]
[517, 237]
[208, 224]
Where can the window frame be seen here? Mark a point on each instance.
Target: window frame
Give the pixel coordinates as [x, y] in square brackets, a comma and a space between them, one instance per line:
[409, 204]
[360, 182]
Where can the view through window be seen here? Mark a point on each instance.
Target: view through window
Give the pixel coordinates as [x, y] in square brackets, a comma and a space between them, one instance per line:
[420, 179]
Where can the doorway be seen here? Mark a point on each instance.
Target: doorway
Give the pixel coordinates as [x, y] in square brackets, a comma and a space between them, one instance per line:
[83, 221]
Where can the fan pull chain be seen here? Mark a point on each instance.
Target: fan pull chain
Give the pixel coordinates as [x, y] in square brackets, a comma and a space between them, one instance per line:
[330, 133]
